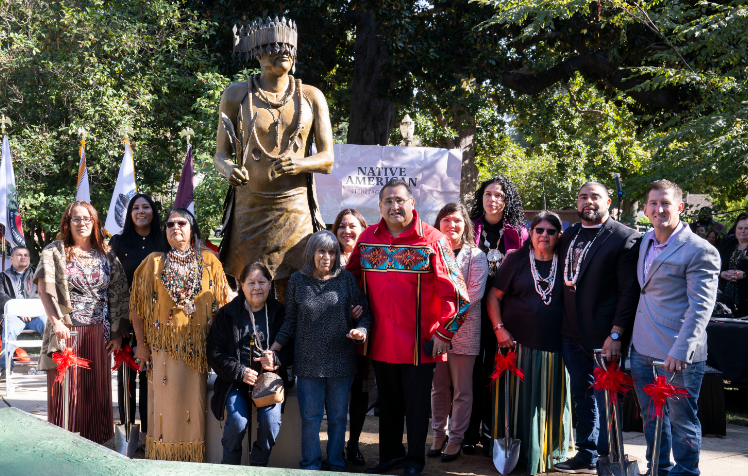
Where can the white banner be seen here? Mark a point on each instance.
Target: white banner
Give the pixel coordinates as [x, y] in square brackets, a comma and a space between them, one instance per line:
[360, 171]
[123, 192]
[10, 218]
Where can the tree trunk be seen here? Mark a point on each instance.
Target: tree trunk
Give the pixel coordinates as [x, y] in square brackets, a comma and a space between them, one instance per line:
[372, 117]
[465, 141]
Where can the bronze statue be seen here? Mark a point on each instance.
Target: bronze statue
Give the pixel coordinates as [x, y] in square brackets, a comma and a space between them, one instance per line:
[271, 207]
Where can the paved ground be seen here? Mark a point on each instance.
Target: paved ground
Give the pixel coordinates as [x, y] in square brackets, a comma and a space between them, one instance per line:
[720, 456]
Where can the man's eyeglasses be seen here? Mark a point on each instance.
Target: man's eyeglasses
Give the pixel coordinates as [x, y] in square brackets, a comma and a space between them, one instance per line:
[79, 220]
[388, 202]
[178, 223]
[550, 231]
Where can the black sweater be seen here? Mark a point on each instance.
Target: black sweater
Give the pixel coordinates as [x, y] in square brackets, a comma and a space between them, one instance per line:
[223, 349]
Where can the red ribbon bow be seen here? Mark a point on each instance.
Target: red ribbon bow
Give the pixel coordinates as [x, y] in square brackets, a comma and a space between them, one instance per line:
[661, 391]
[67, 359]
[613, 380]
[505, 363]
[125, 356]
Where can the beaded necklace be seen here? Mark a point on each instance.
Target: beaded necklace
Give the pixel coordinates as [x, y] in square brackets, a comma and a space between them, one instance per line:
[571, 281]
[545, 294]
[182, 277]
[295, 137]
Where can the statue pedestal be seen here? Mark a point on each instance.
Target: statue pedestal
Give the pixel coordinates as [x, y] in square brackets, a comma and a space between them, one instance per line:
[287, 450]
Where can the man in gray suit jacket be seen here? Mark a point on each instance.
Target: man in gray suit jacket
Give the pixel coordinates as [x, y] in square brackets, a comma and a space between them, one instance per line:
[678, 273]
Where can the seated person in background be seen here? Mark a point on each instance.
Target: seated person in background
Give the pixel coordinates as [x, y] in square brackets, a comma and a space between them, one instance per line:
[17, 283]
[235, 347]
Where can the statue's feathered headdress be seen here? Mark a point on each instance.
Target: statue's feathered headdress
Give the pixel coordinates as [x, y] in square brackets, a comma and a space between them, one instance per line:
[258, 38]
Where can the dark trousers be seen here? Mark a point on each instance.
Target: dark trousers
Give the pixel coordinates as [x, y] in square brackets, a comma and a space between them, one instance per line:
[404, 398]
[133, 388]
[589, 404]
[481, 418]
[359, 405]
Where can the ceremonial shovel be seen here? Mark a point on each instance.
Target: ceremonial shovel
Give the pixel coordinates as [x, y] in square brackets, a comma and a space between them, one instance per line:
[658, 424]
[66, 389]
[127, 436]
[623, 467]
[505, 450]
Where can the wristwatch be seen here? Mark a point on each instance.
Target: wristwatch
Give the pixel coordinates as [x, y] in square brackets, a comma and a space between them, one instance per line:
[615, 335]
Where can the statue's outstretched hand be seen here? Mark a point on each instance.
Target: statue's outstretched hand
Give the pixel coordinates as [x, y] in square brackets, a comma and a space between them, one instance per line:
[286, 165]
[239, 176]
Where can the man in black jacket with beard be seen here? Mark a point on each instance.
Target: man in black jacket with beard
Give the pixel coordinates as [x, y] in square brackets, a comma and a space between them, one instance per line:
[601, 293]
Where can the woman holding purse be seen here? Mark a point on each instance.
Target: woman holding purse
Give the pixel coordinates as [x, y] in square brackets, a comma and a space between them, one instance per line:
[238, 351]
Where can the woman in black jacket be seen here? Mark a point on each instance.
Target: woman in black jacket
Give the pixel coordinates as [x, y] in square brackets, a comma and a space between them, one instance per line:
[141, 236]
[734, 253]
[234, 354]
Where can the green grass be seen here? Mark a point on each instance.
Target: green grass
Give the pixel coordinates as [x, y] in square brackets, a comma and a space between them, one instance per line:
[736, 405]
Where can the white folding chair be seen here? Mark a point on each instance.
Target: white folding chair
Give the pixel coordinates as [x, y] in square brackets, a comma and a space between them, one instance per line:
[19, 307]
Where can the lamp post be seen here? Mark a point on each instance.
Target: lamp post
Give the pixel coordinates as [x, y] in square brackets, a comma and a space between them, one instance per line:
[407, 129]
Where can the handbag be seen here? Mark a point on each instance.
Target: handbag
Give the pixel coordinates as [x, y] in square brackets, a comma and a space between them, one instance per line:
[268, 389]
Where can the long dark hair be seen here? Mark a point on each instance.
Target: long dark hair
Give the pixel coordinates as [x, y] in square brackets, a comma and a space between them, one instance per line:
[549, 217]
[468, 235]
[513, 210]
[195, 237]
[129, 235]
[66, 234]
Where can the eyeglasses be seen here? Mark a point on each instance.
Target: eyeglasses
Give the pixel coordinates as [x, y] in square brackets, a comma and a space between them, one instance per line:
[549, 231]
[388, 202]
[178, 223]
[79, 220]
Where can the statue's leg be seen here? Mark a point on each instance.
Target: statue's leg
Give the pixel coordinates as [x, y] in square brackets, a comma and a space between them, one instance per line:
[280, 290]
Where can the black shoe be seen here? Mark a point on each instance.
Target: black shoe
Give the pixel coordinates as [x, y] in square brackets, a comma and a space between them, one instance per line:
[385, 466]
[575, 466]
[447, 458]
[468, 449]
[411, 472]
[433, 453]
[354, 455]
[487, 449]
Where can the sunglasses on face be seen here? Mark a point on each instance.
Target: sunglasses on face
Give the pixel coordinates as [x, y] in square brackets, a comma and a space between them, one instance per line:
[178, 223]
[550, 231]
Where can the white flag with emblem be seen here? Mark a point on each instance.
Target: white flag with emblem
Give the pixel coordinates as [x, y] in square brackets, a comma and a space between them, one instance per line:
[123, 192]
[10, 218]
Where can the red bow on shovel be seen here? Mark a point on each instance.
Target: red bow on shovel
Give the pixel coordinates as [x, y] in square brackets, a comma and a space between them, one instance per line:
[125, 356]
[661, 391]
[613, 380]
[505, 363]
[68, 360]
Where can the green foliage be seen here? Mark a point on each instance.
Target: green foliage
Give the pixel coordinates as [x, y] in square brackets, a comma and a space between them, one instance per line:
[100, 65]
[683, 63]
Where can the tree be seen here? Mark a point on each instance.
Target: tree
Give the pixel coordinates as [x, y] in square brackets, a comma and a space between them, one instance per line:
[683, 63]
[100, 65]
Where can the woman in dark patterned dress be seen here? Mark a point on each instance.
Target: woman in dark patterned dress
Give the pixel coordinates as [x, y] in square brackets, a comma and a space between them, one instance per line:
[83, 289]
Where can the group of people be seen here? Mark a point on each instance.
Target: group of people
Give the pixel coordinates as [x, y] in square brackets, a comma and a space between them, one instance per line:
[418, 311]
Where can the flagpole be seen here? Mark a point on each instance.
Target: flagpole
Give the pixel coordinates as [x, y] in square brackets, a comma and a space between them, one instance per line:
[4, 120]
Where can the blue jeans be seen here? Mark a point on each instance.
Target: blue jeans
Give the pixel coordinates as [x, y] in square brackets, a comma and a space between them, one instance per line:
[681, 429]
[238, 412]
[588, 403]
[317, 394]
[15, 325]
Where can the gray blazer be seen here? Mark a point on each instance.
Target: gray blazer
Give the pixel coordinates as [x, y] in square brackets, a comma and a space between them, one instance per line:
[677, 298]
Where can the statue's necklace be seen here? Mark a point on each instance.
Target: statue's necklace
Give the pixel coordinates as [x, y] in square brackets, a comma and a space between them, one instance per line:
[296, 136]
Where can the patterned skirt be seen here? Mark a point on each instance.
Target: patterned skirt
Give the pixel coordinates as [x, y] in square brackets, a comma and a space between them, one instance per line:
[540, 409]
[90, 391]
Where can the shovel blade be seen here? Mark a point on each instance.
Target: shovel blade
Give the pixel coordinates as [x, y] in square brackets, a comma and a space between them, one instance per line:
[505, 456]
[124, 446]
[632, 468]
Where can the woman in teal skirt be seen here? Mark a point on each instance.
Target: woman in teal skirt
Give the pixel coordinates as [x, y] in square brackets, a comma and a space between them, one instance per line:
[526, 310]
